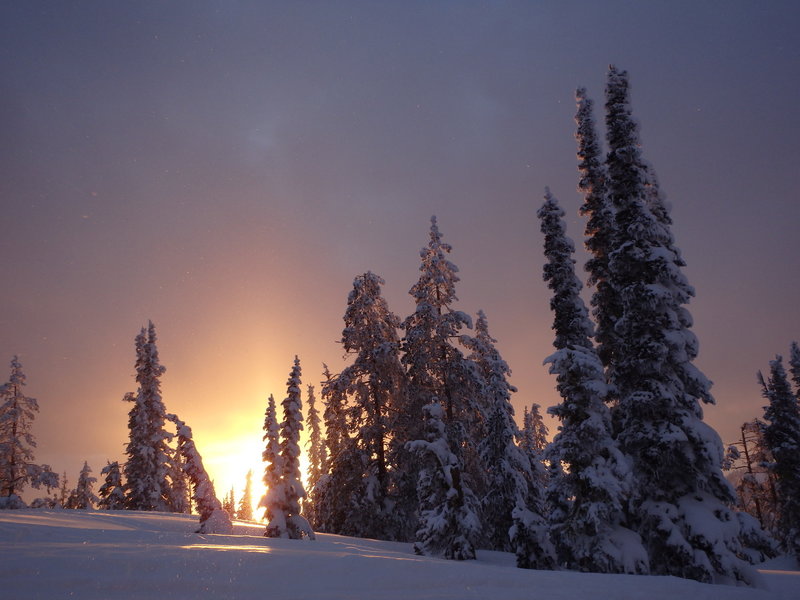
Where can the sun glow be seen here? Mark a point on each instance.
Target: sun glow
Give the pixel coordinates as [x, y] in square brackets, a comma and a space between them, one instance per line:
[228, 461]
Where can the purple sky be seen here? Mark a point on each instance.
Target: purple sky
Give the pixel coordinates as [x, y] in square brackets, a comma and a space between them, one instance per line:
[226, 168]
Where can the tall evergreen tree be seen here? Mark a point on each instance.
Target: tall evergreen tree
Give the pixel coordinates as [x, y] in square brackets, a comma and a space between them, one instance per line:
[17, 443]
[336, 491]
[436, 371]
[680, 498]
[245, 510]
[84, 494]
[600, 227]
[334, 416]
[373, 384]
[533, 441]
[149, 455]
[509, 478]
[213, 519]
[112, 494]
[273, 466]
[317, 457]
[284, 500]
[590, 535]
[533, 437]
[782, 437]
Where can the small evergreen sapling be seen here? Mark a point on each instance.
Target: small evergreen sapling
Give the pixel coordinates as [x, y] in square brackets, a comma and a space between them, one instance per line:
[112, 495]
[229, 504]
[84, 494]
[64, 491]
[245, 510]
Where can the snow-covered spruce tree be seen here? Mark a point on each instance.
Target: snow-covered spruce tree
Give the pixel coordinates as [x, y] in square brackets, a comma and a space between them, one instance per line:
[63, 491]
[437, 371]
[343, 467]
[317, 457]
[213, 519]
[782, 437]
[273, 466]
[680, 500]
[179, 494]
[600, 227]
[284, 500]
[529, 535]
[245, 510]
[794, 367]
[112, 494]
[533, 441]
[147, 468]
[17, 468]
[448, 513]
[533, 437]
[84, 494]
[229, 504]
[590, 535]
[509, 479]
[72, 499]
[373, 384]
[334, 417]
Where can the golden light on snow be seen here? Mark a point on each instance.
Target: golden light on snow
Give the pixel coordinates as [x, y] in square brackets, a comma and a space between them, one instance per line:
[228, 548]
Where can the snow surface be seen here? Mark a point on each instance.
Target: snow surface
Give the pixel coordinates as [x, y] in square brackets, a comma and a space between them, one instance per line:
[125, 554]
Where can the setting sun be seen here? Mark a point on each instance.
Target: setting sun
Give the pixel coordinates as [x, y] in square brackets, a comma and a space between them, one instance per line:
[229, 455]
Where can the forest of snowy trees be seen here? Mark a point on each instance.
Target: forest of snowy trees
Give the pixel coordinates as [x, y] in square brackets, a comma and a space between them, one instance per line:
[416, 438]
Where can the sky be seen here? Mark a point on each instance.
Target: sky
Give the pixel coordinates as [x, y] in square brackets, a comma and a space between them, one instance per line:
[225, 169]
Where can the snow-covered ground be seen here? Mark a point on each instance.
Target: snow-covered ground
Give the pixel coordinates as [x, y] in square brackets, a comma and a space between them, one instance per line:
[120, 555]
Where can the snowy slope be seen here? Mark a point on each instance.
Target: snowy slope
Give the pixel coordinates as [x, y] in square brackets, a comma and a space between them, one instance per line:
[121, 555]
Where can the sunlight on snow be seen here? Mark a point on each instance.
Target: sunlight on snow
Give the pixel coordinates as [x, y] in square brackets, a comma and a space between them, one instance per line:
[225, 548]
[50, 520]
